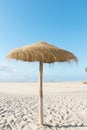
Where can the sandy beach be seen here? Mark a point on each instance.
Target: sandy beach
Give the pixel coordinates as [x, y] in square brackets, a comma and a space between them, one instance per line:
[65, 106]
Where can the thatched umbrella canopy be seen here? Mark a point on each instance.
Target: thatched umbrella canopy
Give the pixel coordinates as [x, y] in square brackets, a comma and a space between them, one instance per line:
[43, 53]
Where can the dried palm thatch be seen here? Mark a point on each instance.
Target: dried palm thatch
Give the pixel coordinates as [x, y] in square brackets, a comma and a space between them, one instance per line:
[85, 82]
[42, 52]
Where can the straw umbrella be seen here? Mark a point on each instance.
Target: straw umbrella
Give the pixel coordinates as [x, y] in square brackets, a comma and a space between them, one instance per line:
[43, 53]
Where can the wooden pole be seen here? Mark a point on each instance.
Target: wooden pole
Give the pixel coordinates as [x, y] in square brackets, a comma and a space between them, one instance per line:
[41, 93]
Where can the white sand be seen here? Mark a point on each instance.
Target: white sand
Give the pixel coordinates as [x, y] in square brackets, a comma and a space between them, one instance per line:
[65, 106]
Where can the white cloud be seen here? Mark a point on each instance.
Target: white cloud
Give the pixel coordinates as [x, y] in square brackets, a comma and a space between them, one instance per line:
[9, 73]
[7, 68]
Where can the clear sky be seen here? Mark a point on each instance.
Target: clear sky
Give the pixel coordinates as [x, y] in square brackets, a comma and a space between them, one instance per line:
[62, 23]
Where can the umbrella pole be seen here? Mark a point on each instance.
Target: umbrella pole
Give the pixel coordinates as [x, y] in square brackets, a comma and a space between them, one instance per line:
[41, 93]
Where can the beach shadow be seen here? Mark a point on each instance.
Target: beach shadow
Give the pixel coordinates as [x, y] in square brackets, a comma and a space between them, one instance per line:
[64, 126]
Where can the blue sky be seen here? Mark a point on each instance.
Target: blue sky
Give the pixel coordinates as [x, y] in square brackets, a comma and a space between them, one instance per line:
[62, 23]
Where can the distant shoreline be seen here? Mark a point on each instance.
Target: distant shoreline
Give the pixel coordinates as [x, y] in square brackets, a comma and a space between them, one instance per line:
[43, 81]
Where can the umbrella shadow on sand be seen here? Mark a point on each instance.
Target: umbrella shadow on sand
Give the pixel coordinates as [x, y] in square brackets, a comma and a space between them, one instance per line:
[64, 126]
